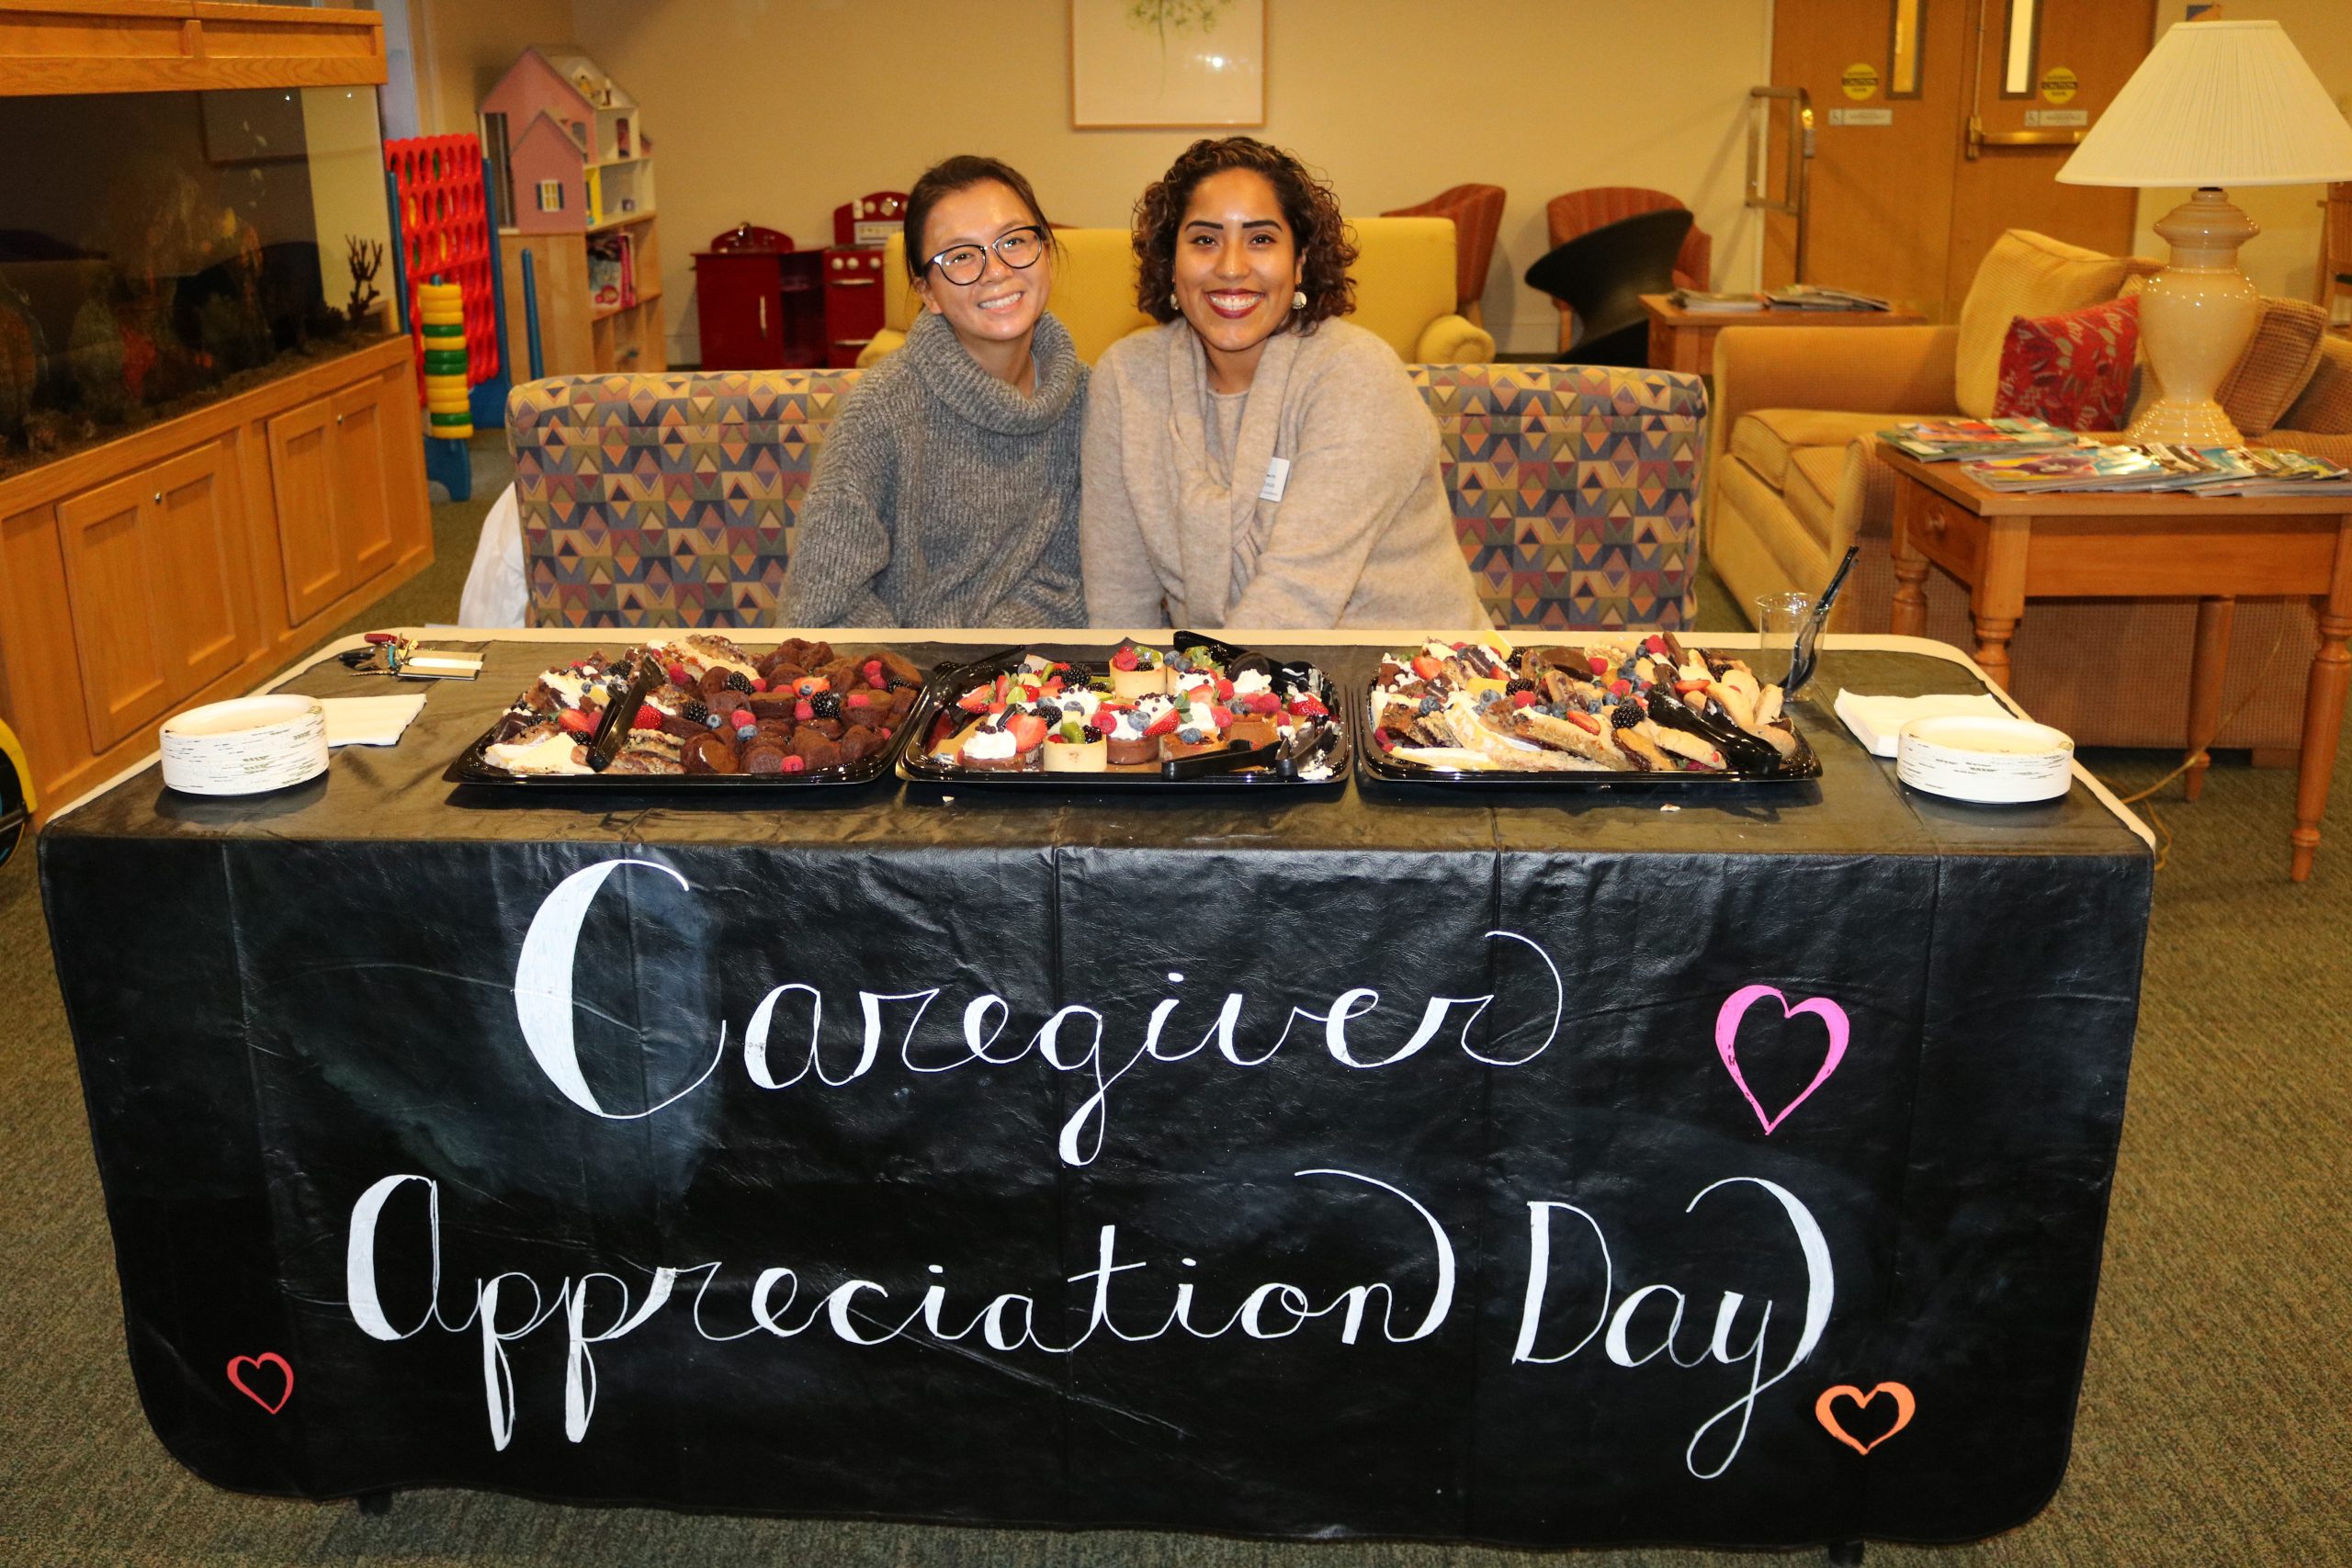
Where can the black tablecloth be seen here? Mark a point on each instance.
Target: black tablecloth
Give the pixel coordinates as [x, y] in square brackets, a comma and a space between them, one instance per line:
[1726, 1168]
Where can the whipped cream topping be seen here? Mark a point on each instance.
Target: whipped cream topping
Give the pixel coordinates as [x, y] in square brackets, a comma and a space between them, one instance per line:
[991, 745]
[549, 754]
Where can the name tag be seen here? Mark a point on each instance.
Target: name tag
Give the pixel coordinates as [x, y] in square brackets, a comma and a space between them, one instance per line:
[1277, 476]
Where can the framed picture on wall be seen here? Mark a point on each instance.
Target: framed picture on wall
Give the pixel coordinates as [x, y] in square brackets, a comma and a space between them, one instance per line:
[1150, 64]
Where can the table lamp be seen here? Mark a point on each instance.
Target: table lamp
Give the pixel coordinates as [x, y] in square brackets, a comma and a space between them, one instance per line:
[2214, 104]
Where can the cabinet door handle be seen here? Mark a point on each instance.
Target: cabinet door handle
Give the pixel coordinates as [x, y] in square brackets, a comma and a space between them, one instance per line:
[158, 498]
[1935, 520]
[763, 315]
[338, 419]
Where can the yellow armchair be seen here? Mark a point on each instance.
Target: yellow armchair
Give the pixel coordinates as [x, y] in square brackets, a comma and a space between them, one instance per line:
[1405, 282]
[1094, 293]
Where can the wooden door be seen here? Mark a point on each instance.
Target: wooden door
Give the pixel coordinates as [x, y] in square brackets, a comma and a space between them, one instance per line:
[301, 482]
[359, 470]
[1899, 206]
[206, 598]
[110, 578]
[2033, 90]
[157, 587]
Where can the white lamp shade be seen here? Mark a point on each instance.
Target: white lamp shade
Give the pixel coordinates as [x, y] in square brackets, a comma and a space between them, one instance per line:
[2217, 104]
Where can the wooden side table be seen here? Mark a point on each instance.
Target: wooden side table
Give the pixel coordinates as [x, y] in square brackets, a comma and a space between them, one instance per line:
[1685, 340]
[2010, 548]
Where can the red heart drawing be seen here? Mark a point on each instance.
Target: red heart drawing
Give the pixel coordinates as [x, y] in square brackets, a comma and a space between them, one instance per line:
[1904, 1407]
[266, 1358]
[1735, 1008]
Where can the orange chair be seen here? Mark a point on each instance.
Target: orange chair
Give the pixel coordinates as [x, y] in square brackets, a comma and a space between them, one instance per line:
[1477, 214]
[1580, 212]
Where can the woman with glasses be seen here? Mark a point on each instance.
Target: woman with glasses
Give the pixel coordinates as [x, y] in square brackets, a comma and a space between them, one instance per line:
[946, 494]
[1256, 462]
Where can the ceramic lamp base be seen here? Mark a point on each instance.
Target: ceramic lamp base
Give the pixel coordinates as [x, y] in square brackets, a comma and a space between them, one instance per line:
[2196, 318]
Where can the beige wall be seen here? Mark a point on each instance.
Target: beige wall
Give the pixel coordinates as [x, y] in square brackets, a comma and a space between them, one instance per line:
[776, 110]
[2284, 258]
[463, 47]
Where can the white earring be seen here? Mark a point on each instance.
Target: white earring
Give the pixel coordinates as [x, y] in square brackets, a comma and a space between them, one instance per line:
[1298, 298]
[1172, 300]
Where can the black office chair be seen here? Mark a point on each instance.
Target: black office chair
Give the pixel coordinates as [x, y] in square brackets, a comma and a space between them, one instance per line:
[1601, 275]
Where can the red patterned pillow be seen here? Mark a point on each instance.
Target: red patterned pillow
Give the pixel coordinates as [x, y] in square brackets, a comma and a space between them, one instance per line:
[2075, 369]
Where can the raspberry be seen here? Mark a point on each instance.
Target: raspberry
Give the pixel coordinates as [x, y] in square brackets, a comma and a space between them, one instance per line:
[1124, 659]
[1524, 699]
[1597, 664]
[794, 766]
[1164, 725]
[648, 718]
[1387, 741]
[1655, 643]
[694, 713]
[1105, 721]
[677, 673]
[758, 684]
[743, 717]
[825, 705]
[1620, 687]
[738, 682]
[857, 700]
[886, 732]
[803, 709]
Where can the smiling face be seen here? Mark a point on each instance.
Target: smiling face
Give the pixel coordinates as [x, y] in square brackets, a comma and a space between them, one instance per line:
[1003, 304]
[1236, 267]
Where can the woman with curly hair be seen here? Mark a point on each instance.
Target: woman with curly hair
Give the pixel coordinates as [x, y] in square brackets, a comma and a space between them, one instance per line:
[1256, 461]
[946, 494]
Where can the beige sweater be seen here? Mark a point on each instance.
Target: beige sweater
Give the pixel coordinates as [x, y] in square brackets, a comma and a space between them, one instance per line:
[1361, 535]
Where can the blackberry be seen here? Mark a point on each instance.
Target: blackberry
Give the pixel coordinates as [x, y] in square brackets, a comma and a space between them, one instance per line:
[1522, 684]
[694, 712]
[738, 682]
[826, 704]
[1626, 715]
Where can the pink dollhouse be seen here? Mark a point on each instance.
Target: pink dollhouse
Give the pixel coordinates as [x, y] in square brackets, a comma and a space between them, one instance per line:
[566, 145]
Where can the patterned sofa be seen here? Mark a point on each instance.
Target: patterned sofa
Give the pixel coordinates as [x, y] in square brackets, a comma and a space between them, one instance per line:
[671, 499]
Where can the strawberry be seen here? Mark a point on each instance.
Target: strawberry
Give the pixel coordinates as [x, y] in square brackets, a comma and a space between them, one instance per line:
[1582, 720]
[970, 701]
[1684, 688]
[1028, 731]
[997, 707]
[1223, 689]
[1164, 725]
[1310, 707]
[1053, 685]
[1220, 716]
[1620, 687]
[577, 720]
[809, 687]
[1124, 659]
[1427, 668]
[1523, 699]
[648, 718]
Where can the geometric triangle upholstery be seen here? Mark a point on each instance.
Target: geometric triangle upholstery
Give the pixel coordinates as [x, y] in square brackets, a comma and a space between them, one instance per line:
[1575, 490]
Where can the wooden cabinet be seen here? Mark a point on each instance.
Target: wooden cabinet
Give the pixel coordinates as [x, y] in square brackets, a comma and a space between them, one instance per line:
[182, 564]
[157, 586]
[327, 472]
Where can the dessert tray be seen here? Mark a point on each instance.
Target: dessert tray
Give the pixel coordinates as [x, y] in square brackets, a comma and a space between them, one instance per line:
[698, 712]
[1615, 712]
[1204, 715]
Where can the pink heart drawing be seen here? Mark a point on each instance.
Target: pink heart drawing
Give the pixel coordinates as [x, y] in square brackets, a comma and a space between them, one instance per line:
[237, 1365]
[1735, 1008]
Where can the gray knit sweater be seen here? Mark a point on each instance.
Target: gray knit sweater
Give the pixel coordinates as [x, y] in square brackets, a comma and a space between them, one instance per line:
[944, 498]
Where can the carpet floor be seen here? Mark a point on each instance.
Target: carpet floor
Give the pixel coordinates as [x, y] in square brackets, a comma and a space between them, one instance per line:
[2213, 1426]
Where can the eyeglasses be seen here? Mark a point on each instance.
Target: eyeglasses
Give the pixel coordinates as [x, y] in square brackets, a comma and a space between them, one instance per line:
[962, 265]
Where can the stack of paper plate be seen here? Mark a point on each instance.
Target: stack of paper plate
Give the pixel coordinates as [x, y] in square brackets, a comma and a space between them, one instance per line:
[1994, 762]
[246, 746]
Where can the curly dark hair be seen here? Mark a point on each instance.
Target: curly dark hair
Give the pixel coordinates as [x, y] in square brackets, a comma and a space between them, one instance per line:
[1309, 206]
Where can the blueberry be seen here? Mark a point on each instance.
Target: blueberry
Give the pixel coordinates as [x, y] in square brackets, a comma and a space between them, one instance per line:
[745, 731]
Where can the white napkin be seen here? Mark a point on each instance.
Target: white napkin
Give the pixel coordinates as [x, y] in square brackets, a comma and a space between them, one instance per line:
[370, 721]
[1875, 721]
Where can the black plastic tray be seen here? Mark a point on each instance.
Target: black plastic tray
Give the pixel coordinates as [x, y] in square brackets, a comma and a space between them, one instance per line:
[1378, 765]
[472, 770]
[949, 682]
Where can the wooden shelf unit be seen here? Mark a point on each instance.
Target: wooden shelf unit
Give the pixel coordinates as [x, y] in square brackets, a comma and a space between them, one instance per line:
[185, 561]
[578, 337]
[182, 46]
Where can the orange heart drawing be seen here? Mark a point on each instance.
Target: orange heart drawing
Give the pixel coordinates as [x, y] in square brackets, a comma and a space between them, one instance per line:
[1904, 1407]
[237, 1365]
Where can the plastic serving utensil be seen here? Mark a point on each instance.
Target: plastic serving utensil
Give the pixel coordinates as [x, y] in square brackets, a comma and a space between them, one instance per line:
[1801, 656]
[619, 714]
